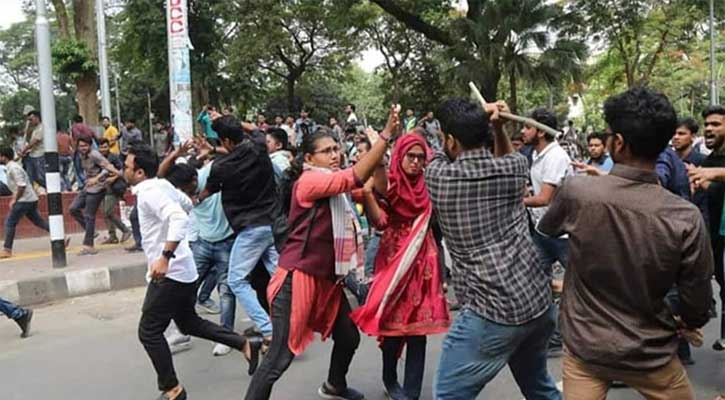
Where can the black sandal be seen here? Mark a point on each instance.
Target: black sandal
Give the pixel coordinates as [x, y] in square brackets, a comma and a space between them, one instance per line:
[255, 345]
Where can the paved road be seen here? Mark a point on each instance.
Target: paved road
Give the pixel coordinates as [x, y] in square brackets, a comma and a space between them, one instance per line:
[86, 348]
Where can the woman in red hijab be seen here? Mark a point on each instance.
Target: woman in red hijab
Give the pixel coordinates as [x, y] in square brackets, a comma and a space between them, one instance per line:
[406, 300]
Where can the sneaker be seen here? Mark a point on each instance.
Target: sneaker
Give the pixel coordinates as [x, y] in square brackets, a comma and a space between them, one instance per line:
[209, 306]
[555, 349]
[177, 338]
[5, 253]
[328, 392]
[395, 392]
[179, 343]
[719, 345]
[88, 251]
[221, 350]
[134, 249]
[180, 396]
[125, 236]
[110, 240]
[24, 323]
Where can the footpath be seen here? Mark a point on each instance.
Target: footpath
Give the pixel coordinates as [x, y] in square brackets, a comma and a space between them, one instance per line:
[29, 278]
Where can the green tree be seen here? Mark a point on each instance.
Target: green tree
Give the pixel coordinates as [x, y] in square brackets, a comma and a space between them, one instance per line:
[640, 33]
[496, 38]
[288, 39]
[75, 53]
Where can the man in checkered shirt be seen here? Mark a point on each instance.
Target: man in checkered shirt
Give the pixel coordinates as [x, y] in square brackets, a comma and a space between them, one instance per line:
[507, 316]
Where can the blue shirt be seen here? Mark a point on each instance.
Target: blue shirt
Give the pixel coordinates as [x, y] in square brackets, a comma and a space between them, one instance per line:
[673, 173]
[605, 165]
[208, 216]
[205, 122]
[695, 158]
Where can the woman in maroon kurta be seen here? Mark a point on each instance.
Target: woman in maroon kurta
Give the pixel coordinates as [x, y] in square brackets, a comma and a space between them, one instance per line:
[305, 294]
[406, 301]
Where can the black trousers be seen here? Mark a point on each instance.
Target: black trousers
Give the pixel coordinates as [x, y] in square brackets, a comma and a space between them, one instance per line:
[278, 359]
[166, 300]
[414, 362]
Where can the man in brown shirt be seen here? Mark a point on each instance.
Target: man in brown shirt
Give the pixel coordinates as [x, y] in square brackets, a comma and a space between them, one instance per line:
[630, 241]
[65, 158]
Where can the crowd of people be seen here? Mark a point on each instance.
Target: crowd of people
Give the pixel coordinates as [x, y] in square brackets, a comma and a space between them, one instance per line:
[606, 262]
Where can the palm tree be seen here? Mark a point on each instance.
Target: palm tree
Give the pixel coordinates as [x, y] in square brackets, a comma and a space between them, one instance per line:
[517, 39]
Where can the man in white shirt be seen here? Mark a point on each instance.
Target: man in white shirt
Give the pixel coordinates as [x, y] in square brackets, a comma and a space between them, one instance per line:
[24, 202]
[550, 165]
[351, 118]
[171, 293]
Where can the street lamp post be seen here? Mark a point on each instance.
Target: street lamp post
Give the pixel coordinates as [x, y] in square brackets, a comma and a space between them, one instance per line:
[103, 60]
[713, 88]
[47, 111]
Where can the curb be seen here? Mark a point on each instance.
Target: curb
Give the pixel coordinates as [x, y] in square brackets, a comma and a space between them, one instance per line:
[64, 285]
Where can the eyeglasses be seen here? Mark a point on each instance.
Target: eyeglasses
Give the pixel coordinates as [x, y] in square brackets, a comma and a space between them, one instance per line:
[328, 151]
[412, 157]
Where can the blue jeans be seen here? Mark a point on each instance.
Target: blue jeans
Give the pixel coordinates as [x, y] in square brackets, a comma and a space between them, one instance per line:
[476, 349]
[20, 210]
[84, 209]
[370, 252]
[65, 164]
[36, 170]
[551, 249]
[252, 244]
[10, 310]
[80, 174]
[212, 258]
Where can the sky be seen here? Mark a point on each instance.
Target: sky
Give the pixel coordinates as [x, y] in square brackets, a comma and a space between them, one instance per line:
[12, 12]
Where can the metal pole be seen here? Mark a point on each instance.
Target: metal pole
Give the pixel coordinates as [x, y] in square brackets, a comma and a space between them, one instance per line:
[47, 110]
[103, 60]
[118, 102]
[151, 118]
[713, 90]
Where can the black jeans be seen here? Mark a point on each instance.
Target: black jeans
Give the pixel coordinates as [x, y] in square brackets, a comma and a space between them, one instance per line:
[166, 300]
[20, 210]
[414, 362]
[278, 359]
[84, 209]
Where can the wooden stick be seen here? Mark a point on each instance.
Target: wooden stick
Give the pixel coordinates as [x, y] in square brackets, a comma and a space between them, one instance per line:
[513, 117]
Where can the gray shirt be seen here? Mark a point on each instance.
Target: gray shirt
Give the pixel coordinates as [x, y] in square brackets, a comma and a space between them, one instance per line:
[39, 149]
[129, 136]
[17, 177]
[93, 164]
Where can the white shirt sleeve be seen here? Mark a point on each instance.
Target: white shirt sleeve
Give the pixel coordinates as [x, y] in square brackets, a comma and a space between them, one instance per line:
[556, 169]
[172, 212]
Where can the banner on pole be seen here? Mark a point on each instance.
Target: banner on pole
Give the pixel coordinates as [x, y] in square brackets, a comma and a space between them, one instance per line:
[179, 70]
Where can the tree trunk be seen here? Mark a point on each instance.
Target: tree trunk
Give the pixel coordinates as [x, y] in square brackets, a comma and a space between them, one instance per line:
[396, 87]
[488, 85]
[84, 21]
[87, 98]
[291, 83]
[199, 93]
[513, 100]
[61, 14]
